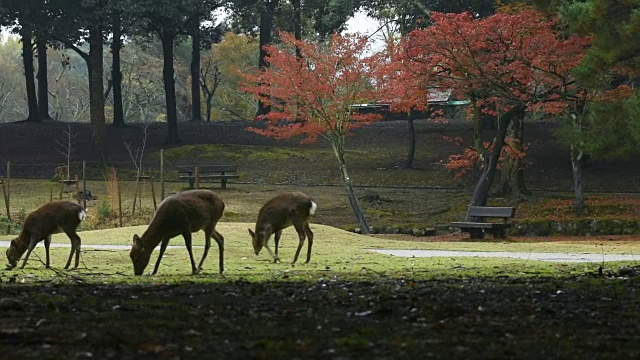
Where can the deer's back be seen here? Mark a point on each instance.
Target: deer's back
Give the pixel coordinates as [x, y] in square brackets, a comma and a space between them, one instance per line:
[195, 208]
[53, 217]
[284, 209]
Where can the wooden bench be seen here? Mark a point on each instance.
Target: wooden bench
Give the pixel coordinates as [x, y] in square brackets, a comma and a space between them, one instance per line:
[209, 173]
[477, 229]
[70, 185]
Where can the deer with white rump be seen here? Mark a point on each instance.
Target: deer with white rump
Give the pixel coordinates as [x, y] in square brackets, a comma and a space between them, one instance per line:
[51, 218]
[180, 214]
[293, 208]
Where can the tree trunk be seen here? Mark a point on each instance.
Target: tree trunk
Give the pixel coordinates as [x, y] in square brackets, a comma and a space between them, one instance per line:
[209, 106]
[96, 90]
[196, 113]
[346, 181]
[481, 191]
[578, 157]
[167, 37]
[210, 92]
[578, 184]
[412, 143]
[512, 181]
[116, 73]
[478, 140]
[266, 24]
[43, 84]
[477, 127]
[27, 62]
[297, 24]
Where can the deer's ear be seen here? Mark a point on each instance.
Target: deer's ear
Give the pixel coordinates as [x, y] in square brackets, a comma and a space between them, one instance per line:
[137, 241]
[253, 235]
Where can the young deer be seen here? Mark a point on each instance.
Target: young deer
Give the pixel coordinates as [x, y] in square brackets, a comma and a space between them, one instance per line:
[180, 214]
[294, 208]
[52, 218]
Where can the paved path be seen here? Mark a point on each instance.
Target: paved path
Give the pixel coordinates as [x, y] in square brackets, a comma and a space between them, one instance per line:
[554, 257]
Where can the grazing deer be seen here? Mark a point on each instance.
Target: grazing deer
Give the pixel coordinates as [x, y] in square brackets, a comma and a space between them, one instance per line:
[52, 218]
[294, 208]
[181, 214]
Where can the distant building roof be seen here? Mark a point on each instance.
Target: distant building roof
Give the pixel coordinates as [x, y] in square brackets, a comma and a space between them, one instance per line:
[437, 96]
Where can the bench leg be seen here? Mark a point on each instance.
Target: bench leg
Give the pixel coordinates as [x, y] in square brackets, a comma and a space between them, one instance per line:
[475, 234]
[191, 183]
[223, 183]
[499, 233]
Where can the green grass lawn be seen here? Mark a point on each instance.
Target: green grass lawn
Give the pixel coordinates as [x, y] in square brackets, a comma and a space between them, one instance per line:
[336, 254]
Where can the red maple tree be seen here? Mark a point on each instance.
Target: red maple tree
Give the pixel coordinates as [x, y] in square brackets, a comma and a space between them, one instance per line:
[312, 89]
[513, 63]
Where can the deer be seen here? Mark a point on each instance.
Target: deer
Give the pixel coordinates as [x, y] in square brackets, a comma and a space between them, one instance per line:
[282, 211]
[180, 214]
[51, 218]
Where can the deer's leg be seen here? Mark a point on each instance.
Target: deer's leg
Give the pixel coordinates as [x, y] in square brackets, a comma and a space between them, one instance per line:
[47, 243]
[307, 230]
[301, 237]
[276, 240]
[163, 247]
[75, 248]
[187, 241]
[220, 240]
[32, 244]
[266, 246]
[77, 243]
[207, 245]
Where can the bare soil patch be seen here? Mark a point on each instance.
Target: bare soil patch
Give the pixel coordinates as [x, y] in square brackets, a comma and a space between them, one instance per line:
[582, 318]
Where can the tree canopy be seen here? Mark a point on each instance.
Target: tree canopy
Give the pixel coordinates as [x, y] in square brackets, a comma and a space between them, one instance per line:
[313, 87]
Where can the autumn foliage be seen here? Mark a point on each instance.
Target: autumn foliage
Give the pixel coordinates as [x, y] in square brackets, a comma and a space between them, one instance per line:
[503, 62]
[313, 94]
[461, 164]
[506, 59]
[312, 89]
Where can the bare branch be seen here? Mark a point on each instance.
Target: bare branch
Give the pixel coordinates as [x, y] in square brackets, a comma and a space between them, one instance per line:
[66, 147]
[137, 154]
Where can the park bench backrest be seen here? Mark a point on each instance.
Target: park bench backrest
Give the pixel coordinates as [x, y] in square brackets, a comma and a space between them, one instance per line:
[217, 168]
[492, 211]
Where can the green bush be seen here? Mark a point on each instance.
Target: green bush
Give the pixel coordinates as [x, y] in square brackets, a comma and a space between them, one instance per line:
[104, 210]
[8, 227]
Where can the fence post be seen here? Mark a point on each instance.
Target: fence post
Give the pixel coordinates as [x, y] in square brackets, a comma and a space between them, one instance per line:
[161, 174]
[119, 200]
[153, 193]
[77, 194]
[84, 184]
[7, 193]
[4, 198]
[141, 183]
[135, 192]
[196, 174]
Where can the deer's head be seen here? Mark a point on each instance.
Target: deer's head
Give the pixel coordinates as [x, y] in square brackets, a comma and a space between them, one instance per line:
[258, 238]
[15, 250]
[139, 255]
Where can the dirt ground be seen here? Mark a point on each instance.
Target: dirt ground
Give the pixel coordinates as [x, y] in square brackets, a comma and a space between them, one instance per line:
[578, 318]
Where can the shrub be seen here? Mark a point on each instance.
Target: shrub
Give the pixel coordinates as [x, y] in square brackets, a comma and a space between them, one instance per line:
[104, 211]
[8, 227]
